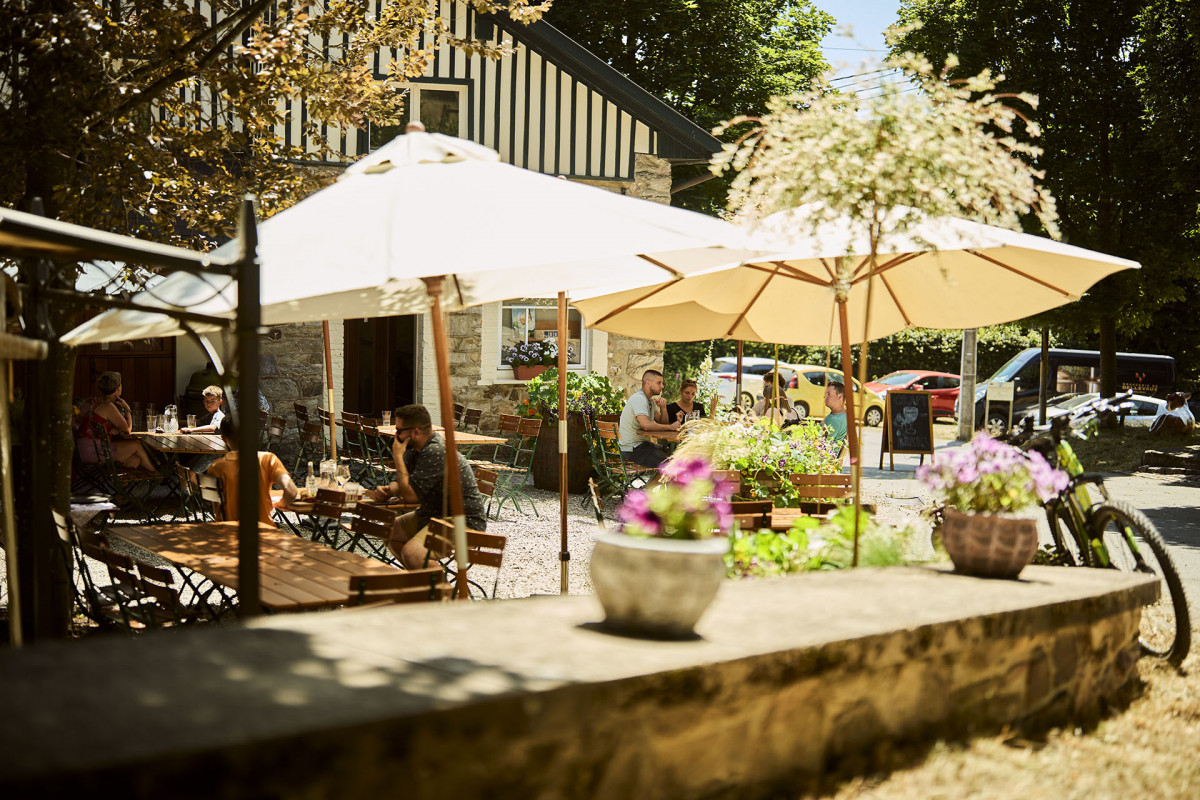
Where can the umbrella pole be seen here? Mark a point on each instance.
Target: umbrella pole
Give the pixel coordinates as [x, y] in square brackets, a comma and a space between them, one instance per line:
[565, 549]
[737, 389]
[851, 419]
[433, 287]
[329, 391]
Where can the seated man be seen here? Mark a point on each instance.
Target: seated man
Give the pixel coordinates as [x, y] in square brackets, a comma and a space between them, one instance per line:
[270, 471]
[835, 420]
[1175, 417]
[214, 396]
[637, 417]
[420, 458]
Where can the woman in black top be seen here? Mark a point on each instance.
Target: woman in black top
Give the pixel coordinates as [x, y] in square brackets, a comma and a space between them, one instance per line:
[686, 408]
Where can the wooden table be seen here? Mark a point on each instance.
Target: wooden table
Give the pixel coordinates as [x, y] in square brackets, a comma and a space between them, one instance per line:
[294, 574]
[207, 444]
[663, 436]
[461, 438]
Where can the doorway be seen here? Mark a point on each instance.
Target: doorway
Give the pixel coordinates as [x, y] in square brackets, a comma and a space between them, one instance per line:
[381, 364]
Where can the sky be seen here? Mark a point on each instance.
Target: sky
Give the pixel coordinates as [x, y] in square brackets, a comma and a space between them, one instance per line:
[868, 19]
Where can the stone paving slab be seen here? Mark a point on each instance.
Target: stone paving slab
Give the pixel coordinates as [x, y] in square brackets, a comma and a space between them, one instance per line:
[199, 705]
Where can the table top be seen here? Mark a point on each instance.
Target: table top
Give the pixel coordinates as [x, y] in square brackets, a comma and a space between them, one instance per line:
[295, 574]
[304, 504]
[461, 438]
[203, 443]
[662, 436]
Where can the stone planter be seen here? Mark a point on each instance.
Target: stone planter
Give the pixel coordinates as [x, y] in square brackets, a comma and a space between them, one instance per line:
[525, 373]
[657, 588]
[545, 459]
[989, 545]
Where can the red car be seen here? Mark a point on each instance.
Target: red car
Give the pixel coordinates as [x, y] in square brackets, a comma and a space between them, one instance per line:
[943, 386]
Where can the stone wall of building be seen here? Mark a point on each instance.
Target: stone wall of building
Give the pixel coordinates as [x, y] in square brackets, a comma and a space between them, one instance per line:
[292, 370]
[651, 178]
[628, 358]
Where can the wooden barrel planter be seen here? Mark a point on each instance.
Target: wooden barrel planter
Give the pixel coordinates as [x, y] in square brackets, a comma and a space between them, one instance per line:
[545, 459]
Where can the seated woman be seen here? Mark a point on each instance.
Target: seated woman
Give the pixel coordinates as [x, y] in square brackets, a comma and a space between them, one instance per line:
[686, 409]
[109, 410]
[781, 412]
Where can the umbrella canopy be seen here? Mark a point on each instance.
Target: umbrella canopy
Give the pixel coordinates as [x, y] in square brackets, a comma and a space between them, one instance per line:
[938, 273]
[431, 205]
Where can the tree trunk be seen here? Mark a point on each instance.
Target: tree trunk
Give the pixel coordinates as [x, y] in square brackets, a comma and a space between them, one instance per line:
[1108, 355]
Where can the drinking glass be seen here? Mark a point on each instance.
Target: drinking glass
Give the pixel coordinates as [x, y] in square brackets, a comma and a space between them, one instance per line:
[385, 418]
[162, 422]
[343, 474]
[191, 420]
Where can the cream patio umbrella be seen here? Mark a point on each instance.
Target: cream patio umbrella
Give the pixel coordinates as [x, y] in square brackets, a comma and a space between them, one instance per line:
[940, 272]
[434, 223]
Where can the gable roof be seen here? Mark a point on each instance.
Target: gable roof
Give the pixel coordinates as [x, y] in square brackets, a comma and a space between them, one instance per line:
[680, 139]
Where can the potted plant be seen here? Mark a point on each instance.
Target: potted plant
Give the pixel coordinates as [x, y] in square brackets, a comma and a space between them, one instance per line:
[657, 575]
[530, 359]
[588, 395]
[985, 485]
[765, 455]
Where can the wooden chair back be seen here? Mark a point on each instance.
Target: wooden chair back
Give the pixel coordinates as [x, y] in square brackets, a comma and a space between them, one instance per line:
[459, 410]
[402, 586]
[730, 476]
[470, 419]
[301, 412]
[485, 479]
[752, 514]
[836, 487]
[483, 550]
[329, 504]
[371, 520]
[210, 490]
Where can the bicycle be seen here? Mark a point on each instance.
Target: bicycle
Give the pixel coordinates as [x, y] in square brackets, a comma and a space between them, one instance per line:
[1109, 533]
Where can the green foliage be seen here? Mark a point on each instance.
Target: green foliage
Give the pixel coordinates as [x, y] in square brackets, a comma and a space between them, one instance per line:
[812, 545]
[149, 117]
[708, 59]
[588, 394]
[1117, 82]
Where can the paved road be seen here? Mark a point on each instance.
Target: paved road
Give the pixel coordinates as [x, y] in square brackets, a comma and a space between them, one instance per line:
[1171, 503]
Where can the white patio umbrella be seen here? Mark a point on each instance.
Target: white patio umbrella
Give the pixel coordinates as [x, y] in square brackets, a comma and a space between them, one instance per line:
[430, 222]
[937, 273]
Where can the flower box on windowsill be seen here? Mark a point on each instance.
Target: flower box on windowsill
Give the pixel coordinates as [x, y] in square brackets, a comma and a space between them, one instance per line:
[523, 373]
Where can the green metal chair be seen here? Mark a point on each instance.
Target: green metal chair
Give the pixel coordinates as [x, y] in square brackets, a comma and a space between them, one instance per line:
[129, 488]
[515, 472]
[619, 475]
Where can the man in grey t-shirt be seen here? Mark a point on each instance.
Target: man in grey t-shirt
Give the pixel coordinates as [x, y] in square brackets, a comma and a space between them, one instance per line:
[641, 413]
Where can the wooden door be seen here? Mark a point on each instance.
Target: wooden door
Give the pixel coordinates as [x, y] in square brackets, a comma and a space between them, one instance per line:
[380, 364]
[147, 368]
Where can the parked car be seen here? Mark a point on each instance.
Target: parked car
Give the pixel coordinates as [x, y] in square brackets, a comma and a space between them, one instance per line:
[1070, 371]
[1140, 409]
[808, 394]
[942, 386]
[753, 369]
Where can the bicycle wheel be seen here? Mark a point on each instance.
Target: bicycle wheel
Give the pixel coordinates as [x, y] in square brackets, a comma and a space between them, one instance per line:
[1135, 545]
[1062, 530]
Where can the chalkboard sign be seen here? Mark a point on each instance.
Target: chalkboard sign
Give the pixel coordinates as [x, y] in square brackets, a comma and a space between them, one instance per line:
[907, 425]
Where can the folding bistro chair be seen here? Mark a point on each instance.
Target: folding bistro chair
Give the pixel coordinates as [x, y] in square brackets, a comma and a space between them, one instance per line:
[485, 481]
[301, 412]
[312, 446]
[325, 518]
[368, 532]
[129, 488]
[513, 475]
[273, 434]
[620, 475]
[752, 515]
[470, 420]
[483, 550]
[407, 586]
[379, 456]
[355, 453]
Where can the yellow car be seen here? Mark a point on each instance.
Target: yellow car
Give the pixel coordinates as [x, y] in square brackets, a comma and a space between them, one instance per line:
[807, 393]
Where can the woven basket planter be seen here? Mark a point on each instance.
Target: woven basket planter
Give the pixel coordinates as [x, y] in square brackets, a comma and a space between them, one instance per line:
[988, 545]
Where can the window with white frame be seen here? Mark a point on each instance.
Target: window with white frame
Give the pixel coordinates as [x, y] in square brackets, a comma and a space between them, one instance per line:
[441, 107]
[534, 320]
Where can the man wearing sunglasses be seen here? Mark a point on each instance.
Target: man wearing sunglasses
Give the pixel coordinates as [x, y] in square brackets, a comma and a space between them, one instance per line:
[419, 455]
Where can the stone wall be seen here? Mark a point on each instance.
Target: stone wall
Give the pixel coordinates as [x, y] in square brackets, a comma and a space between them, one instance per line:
[651, 178]
[628, 358]
[786, 680]
[293, 371]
